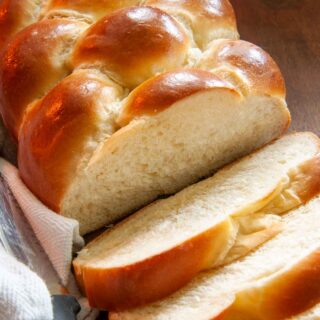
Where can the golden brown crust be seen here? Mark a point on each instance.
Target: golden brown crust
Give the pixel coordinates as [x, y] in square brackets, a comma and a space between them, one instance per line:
[298, 290]
[133, 44]
[205, 17]
[160, 92]
[55, 132]
[310, 314]
[288, 293]
[15, 15]
[308, 179]
[221, 316]
[98, 8]
[32, 64]
[254, 66]
[152, 279]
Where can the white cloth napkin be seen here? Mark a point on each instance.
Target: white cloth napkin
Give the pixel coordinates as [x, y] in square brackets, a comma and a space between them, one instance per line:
[59, 237]
[23, 295]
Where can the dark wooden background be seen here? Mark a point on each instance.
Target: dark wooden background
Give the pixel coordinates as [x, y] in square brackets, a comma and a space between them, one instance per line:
[290, 31]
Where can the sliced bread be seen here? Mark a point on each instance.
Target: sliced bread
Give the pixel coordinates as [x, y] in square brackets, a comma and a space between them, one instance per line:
[161, 247]
[277, 281]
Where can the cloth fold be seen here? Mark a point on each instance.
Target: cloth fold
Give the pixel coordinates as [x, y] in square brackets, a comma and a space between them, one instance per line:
[51, 240]
[59, 236]
[19, 286]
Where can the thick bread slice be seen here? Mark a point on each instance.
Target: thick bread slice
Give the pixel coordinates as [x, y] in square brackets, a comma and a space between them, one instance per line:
[284, 274]
[171, 131]
[161, 247]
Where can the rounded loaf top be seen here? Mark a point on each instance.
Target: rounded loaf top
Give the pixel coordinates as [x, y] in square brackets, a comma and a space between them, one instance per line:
[164, 90]
[15, 15]
[253, 65]
[33, 62]
[97, 8]
[133, 44]
[207, 19]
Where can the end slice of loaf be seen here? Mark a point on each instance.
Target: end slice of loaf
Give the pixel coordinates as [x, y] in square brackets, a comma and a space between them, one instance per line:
[277, 281]
[161, 247]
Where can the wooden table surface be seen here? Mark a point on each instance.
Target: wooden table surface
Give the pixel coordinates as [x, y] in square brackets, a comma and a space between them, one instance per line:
[290, 31]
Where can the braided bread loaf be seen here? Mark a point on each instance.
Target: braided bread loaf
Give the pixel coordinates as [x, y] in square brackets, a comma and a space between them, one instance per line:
[114, 103]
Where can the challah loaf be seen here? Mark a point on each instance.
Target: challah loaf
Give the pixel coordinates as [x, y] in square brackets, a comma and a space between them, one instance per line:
[277, 281]
[114, 103]
[102, 174]
[160, 248]
[111, 114]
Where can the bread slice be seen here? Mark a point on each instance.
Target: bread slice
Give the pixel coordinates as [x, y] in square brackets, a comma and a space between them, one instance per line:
[277, 281]
[161, 247]
[91, 153]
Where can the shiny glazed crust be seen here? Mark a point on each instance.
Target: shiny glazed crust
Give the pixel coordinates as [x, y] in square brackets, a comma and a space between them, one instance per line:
[147, 45]
[97, 8]
[201, 16]
[154, 278]
[281, 295]
[56, 130]
[160, 92]
[246, 63]
[33, 63]
[15, 15]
